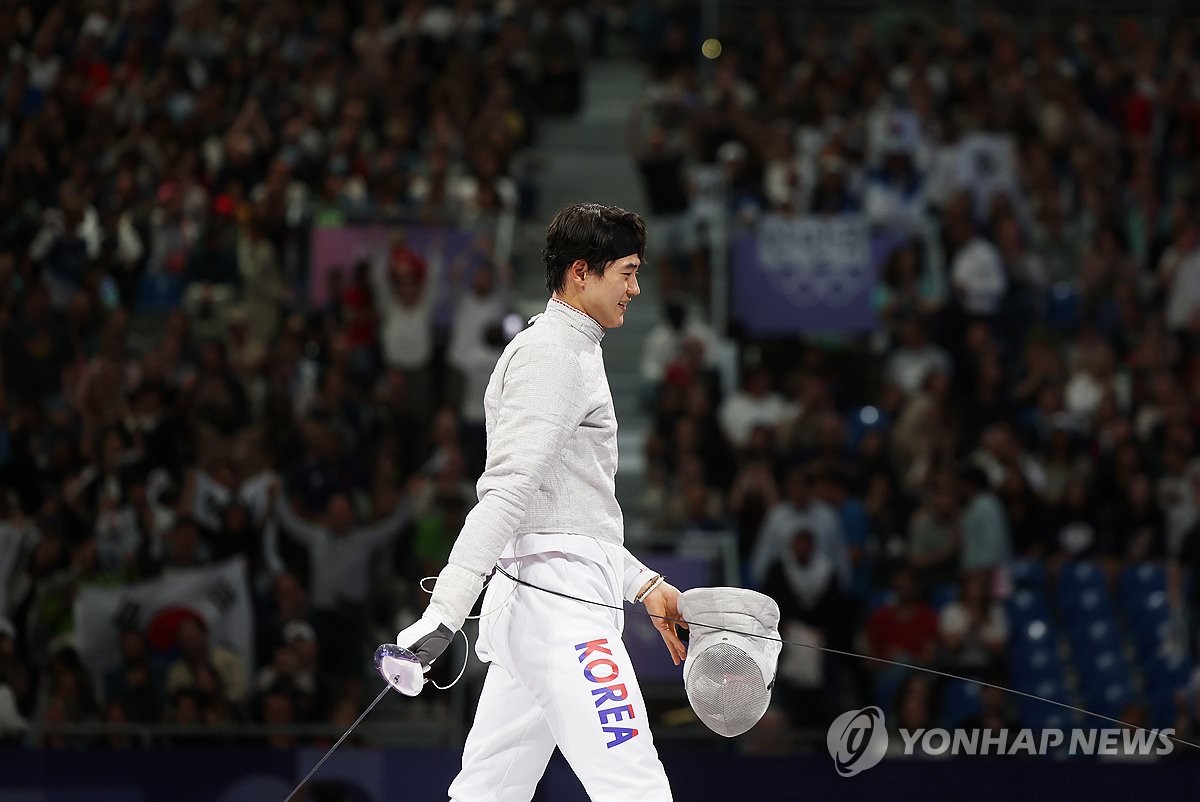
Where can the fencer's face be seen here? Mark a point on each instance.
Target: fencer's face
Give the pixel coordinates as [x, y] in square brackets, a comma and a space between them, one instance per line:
[606, 297]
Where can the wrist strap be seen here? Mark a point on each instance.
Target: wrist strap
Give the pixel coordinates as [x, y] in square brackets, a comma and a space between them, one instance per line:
[654, 583]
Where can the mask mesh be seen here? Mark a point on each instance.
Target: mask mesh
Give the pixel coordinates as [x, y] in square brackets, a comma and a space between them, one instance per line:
[726, 689]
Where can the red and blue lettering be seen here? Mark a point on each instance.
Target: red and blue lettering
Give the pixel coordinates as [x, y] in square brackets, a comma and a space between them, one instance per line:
[602, 670]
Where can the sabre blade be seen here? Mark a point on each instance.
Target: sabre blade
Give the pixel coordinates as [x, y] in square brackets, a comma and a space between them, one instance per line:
[333, 748]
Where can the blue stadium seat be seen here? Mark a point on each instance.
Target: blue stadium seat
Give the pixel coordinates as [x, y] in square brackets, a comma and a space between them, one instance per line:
[1162, 711]
[1028, 573]
[1025, 605]
[1102, 668]
[1030, 665]
[1166, 673]
[1062, 307]
[1085, 606]
[1034, 632]
[1076, 577]
[1039, 715]
[159, 293]
[1150, 630]
[887, 685]
[943, 595]
[1140, 580]
[1148, 609]
[960, 700]
[1099, 633]
[1108, 699]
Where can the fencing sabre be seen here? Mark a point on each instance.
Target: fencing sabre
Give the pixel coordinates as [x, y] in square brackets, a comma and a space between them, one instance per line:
[404, 673]
[345, 735]
[845, 653]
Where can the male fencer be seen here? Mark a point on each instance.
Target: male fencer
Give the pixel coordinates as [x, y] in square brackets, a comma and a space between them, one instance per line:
[559, 673]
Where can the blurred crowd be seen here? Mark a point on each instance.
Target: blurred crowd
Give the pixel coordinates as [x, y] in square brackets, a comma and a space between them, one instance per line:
[1025, 412]
[178, 393]
[1002, 482]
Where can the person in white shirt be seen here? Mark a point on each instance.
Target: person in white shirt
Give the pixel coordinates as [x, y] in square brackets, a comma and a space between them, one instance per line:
[559, 674]
[799, 509]
[973, 629]
[405, 289]
[752, 406]
[978, 275]
[915, 358]
[1179, 268]
[473, 348]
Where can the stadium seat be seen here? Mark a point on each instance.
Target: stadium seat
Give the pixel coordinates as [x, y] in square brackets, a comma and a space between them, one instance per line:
[1028, 573]
[960, 701]
[1077, 576]
[1140, 580]
[1084, 607]
[1096, 634]
[1062, 306]
[1101, 669]
[1034, 632]
[1030, 665]
[1027, 604]
[1108, 699]
[943, 595]
[1166, 673]
[1038, 715]
[1150, 630]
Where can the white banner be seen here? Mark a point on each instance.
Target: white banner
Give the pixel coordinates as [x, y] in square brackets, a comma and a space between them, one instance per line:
[12, 544]
[219, 594]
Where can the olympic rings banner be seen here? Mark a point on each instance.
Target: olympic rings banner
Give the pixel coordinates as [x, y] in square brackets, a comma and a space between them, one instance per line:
[807, 275]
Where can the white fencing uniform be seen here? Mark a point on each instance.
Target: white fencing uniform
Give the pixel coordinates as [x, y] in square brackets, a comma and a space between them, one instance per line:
[548, 512]
[559, 675]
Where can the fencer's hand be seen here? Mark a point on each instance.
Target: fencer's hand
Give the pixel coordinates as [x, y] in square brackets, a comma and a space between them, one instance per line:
[427, 638]
[664, 601]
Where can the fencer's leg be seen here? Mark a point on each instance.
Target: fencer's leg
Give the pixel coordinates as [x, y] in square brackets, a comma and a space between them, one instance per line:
[599, 720]
[508, 747]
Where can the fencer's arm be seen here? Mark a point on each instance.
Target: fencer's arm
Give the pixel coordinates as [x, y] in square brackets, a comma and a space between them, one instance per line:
[634, 578]
[543, 400]
[662, 604]
[661, 600]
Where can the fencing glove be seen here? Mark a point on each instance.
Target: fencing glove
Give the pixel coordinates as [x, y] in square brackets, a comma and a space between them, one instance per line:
[404, 663]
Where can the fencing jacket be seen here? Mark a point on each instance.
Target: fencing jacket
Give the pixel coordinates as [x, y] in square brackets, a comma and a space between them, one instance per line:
[551, 456]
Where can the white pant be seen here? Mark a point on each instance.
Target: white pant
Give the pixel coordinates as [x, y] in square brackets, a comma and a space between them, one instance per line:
[559, 675]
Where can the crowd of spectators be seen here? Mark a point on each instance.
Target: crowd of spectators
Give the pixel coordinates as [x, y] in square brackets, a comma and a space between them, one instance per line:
[173, 394]
[172, 397]
[1029, 395]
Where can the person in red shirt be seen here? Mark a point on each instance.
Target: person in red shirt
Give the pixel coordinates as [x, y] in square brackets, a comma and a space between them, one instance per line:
[906, 628]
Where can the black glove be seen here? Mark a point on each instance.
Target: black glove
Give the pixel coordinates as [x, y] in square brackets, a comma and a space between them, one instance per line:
[426, 638]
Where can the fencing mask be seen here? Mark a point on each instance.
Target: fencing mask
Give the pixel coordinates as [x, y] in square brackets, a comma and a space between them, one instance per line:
[728, 677]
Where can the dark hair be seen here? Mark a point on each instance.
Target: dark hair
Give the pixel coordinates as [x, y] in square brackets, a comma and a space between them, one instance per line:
[594, 233]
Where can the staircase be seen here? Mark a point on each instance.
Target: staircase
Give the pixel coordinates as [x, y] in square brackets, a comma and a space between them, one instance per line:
[585, 159]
